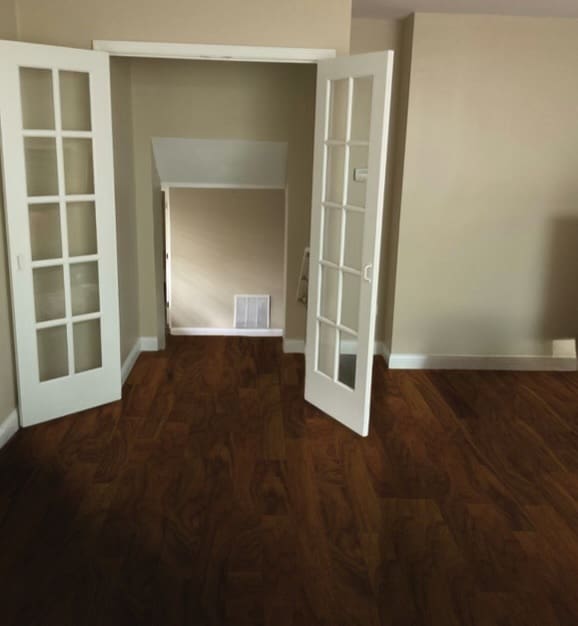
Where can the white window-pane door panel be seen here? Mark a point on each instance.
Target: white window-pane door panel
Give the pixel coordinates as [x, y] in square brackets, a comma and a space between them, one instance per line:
[351, 132]
[56, 133]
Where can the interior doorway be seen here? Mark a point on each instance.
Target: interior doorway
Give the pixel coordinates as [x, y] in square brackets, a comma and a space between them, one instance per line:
[225, 261]
[221, 126]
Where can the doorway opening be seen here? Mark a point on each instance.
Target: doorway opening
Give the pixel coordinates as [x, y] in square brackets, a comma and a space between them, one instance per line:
[233, 140]
[225, 251]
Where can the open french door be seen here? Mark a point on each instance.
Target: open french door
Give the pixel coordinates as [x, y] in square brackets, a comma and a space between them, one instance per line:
[351, 130]
[55, 123]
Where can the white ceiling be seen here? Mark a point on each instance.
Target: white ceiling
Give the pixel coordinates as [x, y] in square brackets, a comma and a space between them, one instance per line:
[402, 8]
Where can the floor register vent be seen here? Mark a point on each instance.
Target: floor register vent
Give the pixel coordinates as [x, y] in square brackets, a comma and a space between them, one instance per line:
[252, 311]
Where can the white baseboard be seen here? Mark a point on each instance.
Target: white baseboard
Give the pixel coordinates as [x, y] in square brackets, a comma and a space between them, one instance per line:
[350, 347]
[232, 332]
[8, 427]
[475, 362]
[142, 344]
[130, 360]
[297, 346]
[149, 344]
[293, 346]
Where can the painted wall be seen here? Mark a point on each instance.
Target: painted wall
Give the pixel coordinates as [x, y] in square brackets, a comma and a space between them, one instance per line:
[212, 100]
[7, 367]
[158, 212]
[488, 241]
[371, 35]
[223, 242]
[298, 23]
[8, 25]
[125, 204]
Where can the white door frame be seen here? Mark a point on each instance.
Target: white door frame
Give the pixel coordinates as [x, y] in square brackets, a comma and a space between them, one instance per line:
[213, 52]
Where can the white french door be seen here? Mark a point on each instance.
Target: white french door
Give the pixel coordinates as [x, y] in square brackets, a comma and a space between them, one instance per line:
[55, 123]
[351, 129]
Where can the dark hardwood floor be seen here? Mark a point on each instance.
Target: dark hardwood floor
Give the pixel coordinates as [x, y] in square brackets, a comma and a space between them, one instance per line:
[213, 495]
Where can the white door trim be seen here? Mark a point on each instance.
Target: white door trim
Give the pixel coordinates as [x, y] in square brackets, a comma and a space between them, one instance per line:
[168, 255]
[297, 346]
[516, 363]
[228, 332]
[222, 186]
[9, 427]
[211, 52]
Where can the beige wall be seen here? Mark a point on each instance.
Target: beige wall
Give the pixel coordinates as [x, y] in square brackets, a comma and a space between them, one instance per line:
[371, 35]
[225, 242]
[158, 212]
[7, 367]
[8, 24]
[296, 23]
[125, 204]
[212, 100]
[488, 243]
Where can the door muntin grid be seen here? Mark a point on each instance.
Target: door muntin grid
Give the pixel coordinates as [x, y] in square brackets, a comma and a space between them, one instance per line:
[343, 212]
[61, 194]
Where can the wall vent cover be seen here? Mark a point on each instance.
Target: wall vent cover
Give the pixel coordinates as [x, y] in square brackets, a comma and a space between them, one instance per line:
[252, 311]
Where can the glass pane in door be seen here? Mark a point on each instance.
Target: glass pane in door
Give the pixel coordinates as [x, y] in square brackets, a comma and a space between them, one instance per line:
[361, 115]
[37, 99]
[75, 100]
[87, 346]
[45, 237]
[335, 174]
[84, 290]
[49, 293]
[339, 90]
[326, 349]
[41, 166]
[329, 293]
[356, 188]
[81, 218]
[78, 169]
[347, 358]
[350, 295]
[353, 249]
[52, 353]
[332, 218]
